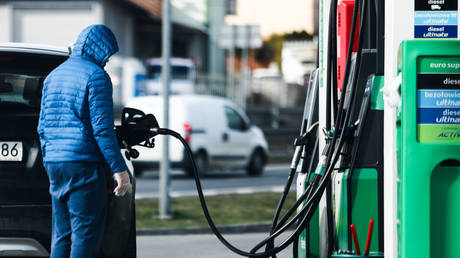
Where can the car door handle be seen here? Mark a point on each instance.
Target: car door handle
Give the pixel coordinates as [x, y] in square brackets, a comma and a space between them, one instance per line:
[225, 137]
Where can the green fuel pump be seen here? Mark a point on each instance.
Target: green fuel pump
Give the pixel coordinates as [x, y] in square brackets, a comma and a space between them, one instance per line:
[428, 149]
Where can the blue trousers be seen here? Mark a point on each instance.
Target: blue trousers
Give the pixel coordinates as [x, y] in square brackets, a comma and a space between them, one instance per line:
[79, 203]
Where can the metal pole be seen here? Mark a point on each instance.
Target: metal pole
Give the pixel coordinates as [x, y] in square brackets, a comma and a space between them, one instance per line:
[164, 201]
[231, 53]
[244, 82]
[231, 71]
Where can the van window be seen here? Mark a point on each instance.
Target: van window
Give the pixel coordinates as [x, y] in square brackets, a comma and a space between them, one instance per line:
[234, 120]
[178, 72]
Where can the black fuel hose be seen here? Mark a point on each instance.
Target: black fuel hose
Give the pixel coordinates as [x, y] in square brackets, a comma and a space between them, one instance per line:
[164, 131]
[300, 150]
[331, 87]
[358, 61]
[311, 204]
[338, 117]
[308, 208]
[280, 205]
[283, 226]
[312, 163]
[309, 171]
[287, 187]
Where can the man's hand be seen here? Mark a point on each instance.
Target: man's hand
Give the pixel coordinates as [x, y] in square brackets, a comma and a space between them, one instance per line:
[123, 184]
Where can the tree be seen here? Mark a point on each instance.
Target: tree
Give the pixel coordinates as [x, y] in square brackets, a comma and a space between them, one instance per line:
[271, 48]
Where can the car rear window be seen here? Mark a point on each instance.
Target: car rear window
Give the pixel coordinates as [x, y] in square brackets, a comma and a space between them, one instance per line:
[22, 76]
[20, 88]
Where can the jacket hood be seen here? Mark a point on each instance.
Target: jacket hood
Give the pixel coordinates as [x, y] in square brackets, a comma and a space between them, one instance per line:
[96, 42]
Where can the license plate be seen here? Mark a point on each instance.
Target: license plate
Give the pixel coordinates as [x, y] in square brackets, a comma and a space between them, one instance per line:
[10, 151]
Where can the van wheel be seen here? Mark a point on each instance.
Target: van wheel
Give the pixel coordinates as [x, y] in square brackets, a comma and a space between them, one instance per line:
[201, 161]
[256, 164]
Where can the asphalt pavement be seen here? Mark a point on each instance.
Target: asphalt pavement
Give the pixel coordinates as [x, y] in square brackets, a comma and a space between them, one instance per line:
[199, 246]
[216, 182]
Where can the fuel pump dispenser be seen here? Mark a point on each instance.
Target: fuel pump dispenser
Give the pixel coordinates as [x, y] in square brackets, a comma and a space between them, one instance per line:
[428, 146]
[357, 182]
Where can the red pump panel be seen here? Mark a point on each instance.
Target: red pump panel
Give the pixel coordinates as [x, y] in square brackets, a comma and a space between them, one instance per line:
[344, 20]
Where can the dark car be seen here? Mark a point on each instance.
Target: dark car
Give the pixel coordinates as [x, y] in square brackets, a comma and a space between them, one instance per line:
[25, 204]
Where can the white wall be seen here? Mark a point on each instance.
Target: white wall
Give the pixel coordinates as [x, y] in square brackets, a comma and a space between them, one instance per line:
[5, 23]
[59, 23]
[53, 23]
[121, 22]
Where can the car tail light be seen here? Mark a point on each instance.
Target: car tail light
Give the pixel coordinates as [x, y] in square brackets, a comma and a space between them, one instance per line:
[188, 132]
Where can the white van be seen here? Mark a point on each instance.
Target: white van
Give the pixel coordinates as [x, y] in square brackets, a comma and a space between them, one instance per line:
[218, 132]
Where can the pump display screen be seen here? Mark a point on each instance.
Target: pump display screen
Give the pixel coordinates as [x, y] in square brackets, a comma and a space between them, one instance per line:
[438, 99]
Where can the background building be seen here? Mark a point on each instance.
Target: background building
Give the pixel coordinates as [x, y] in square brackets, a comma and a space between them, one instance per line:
[136, 24]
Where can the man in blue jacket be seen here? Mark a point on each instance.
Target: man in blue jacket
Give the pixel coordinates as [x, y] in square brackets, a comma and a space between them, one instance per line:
[77, 137]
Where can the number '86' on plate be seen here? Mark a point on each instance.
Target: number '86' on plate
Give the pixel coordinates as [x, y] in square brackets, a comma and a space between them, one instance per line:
[10, 151]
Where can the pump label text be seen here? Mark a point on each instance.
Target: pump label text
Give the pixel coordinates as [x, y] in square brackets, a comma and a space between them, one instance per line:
[439, 116]
[436, 19]
[437, 133]
[438, 81]
[428, 5]
[441, 32]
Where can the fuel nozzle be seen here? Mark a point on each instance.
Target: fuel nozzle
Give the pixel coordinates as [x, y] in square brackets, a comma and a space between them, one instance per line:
[306, 140]
[136, 128]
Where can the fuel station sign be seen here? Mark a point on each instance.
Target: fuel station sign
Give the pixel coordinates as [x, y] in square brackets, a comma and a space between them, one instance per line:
[438, 100]
[436, 19]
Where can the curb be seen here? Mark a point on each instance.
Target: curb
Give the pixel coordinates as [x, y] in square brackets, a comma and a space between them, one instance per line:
[216, 192]
[227, 229]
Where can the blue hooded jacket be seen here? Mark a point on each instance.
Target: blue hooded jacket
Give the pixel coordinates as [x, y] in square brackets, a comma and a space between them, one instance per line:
[76, 117]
